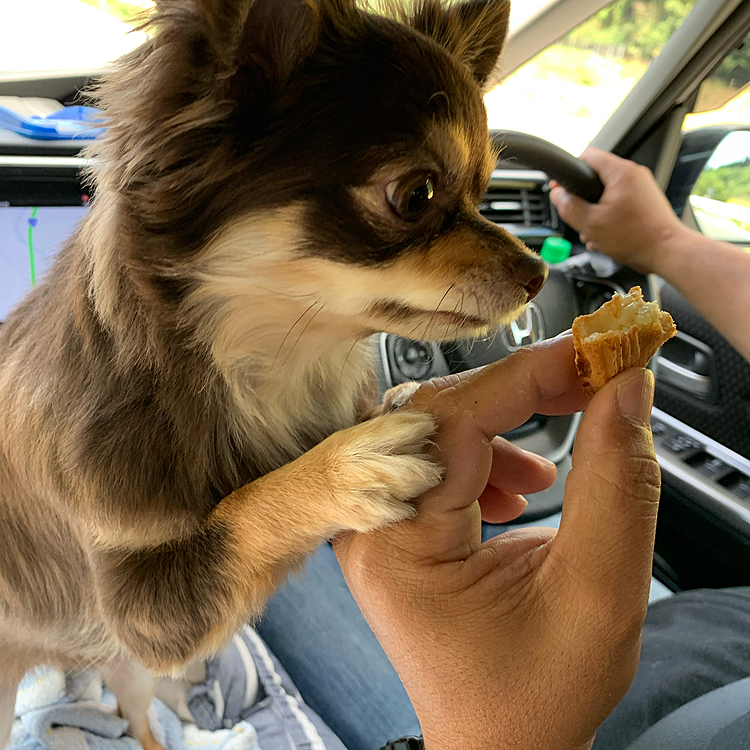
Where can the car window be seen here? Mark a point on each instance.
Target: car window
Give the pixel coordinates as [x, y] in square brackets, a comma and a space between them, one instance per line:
[724, 97]
[66, 35]
[567, 92]
[720, 199]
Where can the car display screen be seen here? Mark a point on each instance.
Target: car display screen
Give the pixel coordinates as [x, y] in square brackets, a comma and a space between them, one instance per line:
[30, 236]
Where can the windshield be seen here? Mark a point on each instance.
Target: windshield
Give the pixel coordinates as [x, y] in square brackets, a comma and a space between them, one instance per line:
[567, 92]
[35, 35]
[54, 36]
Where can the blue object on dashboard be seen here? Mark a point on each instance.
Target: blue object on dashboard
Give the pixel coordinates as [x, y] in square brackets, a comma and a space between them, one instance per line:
[66, 123]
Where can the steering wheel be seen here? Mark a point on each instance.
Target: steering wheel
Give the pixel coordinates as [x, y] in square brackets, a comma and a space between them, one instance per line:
[574, 175]
[574, 287]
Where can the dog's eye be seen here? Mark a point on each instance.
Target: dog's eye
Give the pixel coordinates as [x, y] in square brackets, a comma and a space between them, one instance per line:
[410, 196]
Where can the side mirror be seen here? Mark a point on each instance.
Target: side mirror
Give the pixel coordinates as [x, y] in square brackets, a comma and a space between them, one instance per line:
[711, 180]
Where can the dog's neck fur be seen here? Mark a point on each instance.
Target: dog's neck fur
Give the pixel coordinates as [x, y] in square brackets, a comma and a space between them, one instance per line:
[251, 312]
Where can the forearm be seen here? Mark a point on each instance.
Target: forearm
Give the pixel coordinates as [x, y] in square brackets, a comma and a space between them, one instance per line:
[715, 278]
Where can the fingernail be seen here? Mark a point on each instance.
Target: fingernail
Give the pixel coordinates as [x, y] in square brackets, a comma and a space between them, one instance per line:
[635, 395]
[537, 457]
[559, 195]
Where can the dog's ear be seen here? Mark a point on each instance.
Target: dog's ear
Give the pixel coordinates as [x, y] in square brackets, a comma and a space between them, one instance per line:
[473, 31]
[277, 36]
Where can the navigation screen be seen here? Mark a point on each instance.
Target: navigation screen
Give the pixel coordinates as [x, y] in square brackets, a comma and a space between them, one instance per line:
[29, 238]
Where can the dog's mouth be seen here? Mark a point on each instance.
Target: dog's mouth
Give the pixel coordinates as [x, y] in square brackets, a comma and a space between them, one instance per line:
[399, 313]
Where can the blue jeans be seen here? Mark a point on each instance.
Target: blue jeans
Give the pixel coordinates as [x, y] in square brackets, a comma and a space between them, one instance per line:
[315, 629]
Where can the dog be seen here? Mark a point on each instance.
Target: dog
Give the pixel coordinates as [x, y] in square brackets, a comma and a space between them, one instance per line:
[183, 398]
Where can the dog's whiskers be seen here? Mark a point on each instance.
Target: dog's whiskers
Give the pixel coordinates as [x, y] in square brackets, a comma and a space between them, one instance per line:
[288, 333]
[282, 294]
[302, 332]
[346, 359]
[437, 308]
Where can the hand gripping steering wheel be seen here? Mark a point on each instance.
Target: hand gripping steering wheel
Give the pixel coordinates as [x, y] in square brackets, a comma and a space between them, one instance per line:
[574, 175]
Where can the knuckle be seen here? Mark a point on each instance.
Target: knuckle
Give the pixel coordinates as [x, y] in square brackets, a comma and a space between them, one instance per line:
[641, 476]
[643, 171]
[645, 479]
[633, 473]
[596, 223]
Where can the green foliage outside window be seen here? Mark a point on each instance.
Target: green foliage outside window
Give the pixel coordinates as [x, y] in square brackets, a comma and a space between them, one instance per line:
[123, 10]
[640, 28]
[729, 183]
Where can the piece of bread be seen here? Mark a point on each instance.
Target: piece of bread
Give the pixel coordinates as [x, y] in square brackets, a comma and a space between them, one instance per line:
[624, 332]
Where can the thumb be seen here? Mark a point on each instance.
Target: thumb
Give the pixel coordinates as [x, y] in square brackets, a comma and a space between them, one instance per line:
[573, 210]
[612, 493]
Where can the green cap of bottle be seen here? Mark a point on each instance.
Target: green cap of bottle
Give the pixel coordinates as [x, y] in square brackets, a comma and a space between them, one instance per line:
[556, 249]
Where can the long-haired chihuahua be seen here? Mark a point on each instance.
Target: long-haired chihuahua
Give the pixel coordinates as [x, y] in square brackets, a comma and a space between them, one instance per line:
[182, 399]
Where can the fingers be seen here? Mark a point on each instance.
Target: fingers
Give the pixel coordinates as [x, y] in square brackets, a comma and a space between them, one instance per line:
[514, 472]
[608, 523]
[538, 379]
[573, 210]
[517, 471]
[471, 410]
[500, 507]
[607, 165]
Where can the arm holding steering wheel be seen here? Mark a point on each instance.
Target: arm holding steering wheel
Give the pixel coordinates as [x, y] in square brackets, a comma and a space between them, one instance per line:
[634, 224]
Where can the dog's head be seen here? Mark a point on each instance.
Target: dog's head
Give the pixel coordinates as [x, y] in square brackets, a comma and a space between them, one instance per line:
[311, 158]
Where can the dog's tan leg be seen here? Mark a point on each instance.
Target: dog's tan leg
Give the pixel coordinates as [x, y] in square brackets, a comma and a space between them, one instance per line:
[134, 687]
[8, 689]
[178, 601]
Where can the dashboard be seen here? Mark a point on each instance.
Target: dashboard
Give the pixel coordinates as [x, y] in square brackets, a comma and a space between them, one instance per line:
[41, 201]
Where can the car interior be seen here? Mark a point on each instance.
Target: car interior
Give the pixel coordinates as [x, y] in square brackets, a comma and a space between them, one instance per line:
[701, 419]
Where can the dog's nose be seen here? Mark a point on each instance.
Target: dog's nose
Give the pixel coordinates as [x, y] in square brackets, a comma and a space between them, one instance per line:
[533, 286]
[530, 272]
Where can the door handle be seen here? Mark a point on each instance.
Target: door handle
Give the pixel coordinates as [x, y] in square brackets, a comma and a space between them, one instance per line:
[683, 378]
[687, 364]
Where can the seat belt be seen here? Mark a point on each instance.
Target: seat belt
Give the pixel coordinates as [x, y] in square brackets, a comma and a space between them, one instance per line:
[718, 720]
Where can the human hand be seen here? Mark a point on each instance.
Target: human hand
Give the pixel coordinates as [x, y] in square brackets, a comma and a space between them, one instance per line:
[633, 222]
[530, 639]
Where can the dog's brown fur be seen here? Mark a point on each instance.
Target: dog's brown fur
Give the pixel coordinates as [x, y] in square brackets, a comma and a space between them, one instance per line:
[179, 399]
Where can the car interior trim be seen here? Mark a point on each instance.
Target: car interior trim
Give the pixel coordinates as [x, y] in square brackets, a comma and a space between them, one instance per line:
[523, 177]
[44, 162]
[680, 469]
[683, 378]
[382, 354]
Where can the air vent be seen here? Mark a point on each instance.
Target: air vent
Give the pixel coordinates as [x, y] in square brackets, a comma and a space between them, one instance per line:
[522, 207]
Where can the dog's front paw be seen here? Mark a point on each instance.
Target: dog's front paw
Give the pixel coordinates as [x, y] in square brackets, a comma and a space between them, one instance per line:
[400, 395]
[378, 466]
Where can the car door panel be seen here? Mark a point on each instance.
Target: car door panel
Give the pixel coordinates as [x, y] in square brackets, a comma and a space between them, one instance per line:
[723, 412]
